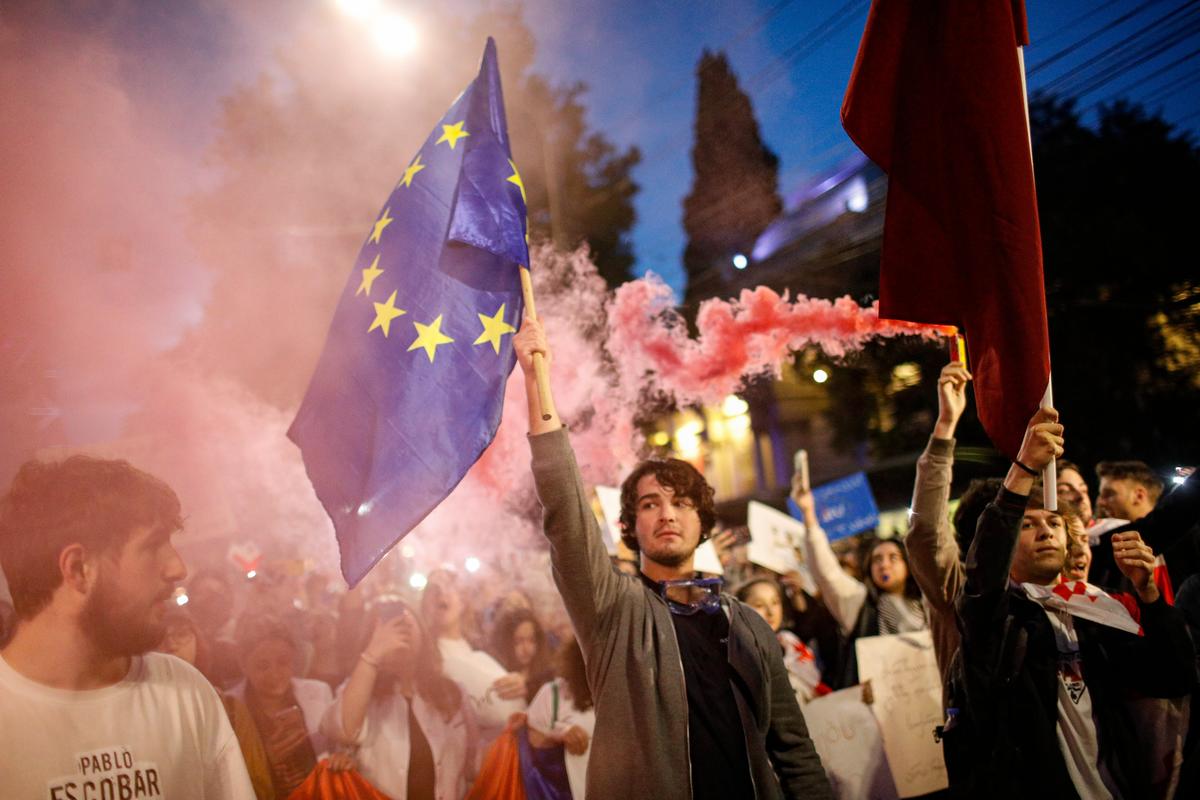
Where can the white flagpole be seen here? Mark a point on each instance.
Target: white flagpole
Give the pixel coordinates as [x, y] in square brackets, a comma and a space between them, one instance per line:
[1050, 473]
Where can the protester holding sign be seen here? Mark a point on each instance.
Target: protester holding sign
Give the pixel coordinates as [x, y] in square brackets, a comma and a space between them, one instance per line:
[888, 601]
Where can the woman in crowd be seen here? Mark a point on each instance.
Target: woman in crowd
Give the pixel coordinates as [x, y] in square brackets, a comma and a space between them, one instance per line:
[493, 692]
[285, 710]
[886, 601]
[411, 725]
[804, 671]
[562, 713]
[519, 643]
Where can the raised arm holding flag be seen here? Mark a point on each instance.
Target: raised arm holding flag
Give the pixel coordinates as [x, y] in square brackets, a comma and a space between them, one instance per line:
[937, 100]
[409, 389]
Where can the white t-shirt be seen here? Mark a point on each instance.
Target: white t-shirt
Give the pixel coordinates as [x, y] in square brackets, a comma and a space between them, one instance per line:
[161, 732]
[1076, 727]
[547, 720]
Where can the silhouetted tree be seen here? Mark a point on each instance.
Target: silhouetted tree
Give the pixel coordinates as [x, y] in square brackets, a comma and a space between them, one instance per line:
[734, 194]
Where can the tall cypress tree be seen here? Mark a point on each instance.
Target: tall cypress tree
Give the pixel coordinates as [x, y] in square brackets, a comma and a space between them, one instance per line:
[735, 193]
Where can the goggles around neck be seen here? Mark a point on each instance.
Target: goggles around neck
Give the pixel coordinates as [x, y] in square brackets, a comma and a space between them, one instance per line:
[706, 591]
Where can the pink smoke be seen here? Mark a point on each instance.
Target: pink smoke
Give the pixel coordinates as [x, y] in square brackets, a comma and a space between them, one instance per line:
[753, 335]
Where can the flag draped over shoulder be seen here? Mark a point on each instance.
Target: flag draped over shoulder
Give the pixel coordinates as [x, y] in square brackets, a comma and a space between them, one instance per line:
[936, 99]
[409, 389]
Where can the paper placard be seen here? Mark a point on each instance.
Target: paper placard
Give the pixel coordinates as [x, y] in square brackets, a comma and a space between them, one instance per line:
[846, 507]
[610, 506]
[908, 704]
[847, 738]
[773, 539]
[706, 559]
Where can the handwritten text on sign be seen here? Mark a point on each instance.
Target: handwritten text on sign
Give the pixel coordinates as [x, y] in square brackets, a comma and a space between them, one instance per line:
[908, 704]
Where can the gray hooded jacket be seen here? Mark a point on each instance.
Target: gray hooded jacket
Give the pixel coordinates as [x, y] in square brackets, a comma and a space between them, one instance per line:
[640, 745]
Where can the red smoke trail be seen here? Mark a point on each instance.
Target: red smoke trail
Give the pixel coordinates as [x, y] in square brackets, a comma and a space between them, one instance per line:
[738, 339]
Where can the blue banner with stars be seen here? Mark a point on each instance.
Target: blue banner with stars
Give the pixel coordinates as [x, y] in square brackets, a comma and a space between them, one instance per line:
[409, 389]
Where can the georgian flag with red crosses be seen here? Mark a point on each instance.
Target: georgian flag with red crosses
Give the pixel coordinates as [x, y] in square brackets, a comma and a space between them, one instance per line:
[1083, 600]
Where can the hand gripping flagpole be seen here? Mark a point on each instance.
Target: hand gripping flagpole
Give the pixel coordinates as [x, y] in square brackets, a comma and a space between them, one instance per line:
[539, 362]
[1050, 473]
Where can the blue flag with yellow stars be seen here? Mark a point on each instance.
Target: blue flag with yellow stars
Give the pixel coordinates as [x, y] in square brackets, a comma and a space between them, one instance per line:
[409, 389]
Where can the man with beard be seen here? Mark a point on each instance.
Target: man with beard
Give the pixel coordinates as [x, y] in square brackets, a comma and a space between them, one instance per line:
[692, 697]
[85, 710]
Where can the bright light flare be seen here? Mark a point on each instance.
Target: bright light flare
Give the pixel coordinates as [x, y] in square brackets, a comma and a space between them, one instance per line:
[820, 375]
[181, 599]
[252, 574]
[740, 261]
[1179, 480]
[418, 581]
[394, 35]
[361, 10]
[472, 564]
[733, 406]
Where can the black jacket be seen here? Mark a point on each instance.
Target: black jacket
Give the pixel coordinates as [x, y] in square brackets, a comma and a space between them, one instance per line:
[1004, 740]
[1171, 529]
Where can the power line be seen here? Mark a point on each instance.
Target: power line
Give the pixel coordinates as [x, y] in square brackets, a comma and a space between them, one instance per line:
[1070, 25]
[1115, 48]
[1151, 96]
[802, 49]
[1135, 59]
[1071, 48]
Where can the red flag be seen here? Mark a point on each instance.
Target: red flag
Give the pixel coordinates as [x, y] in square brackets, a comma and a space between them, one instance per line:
[936, 100]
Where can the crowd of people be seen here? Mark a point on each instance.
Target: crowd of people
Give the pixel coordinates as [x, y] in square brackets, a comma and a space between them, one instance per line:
[1062, 635]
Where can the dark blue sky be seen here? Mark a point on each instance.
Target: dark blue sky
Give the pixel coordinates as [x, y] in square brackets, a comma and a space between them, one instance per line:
[638, 57]
[639, 60]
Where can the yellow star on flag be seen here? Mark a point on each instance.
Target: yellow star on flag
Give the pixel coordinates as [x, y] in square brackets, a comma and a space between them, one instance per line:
[516, 178]
[411, 170]
[381, 223]
[429, 337]
[493, 328]
[384, 314]
[452, 133]
[368, 278]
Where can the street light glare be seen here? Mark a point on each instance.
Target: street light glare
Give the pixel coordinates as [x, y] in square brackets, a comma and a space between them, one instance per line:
[394, 34]
[359, 9]
[820, 375]
[740, 261]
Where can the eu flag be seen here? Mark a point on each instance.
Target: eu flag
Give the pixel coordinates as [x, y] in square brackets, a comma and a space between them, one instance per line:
[410, 386]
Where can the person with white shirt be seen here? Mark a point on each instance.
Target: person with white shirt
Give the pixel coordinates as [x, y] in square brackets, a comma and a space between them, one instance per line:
[85, 710]
[1046, 666]
[410, 724]
[494, 693]
[562, 713]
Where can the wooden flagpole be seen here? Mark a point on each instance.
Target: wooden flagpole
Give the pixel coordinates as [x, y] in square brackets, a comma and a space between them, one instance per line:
[541, 375]
[1050, 473]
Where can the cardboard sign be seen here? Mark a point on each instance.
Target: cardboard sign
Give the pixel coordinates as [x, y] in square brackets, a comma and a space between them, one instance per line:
[847, 738]
[845, 507]
[706, 559]
[908, 704]
[610, 507]
[773, 539]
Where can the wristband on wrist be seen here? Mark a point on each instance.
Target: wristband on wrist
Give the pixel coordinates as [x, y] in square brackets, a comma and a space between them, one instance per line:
[1029, 470]
[370, 662]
